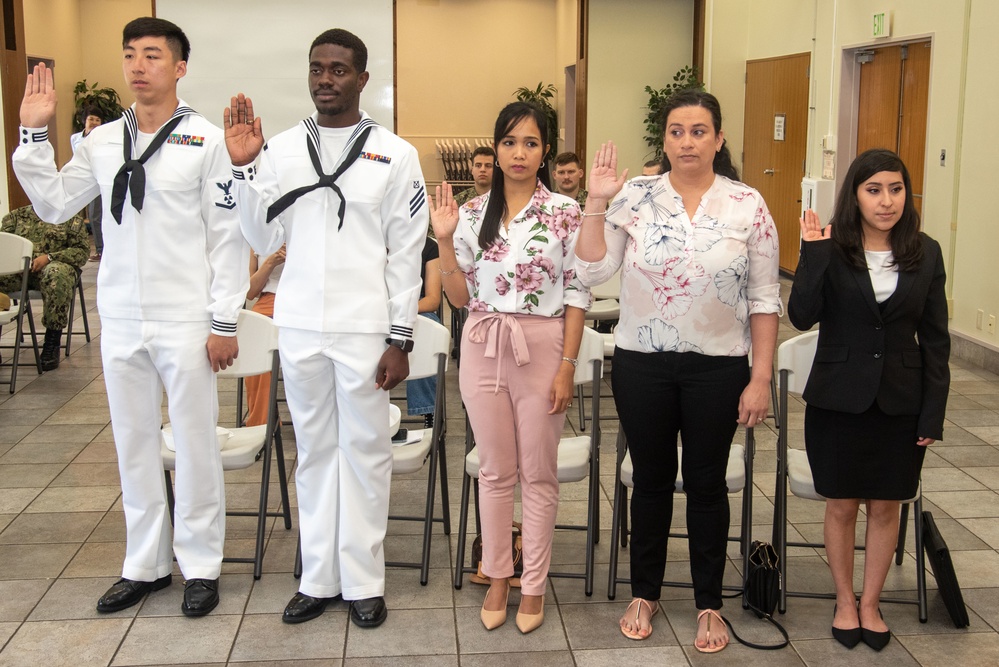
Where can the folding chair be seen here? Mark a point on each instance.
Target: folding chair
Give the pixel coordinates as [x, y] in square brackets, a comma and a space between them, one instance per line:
[606, 306]
[257, 336]
[72, 313]
[428, 358]
[794, 362]
[15, 257]
[578, 459]
[738, 478]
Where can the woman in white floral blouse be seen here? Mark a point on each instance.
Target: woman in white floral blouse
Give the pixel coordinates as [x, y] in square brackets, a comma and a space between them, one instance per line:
[698, 257]
[508, 256]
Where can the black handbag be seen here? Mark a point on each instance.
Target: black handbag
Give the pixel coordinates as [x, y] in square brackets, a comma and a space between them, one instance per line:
[943, 570]
[763, 592]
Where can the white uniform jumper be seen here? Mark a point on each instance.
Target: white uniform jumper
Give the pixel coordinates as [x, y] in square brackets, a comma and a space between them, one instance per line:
[170, 274]
[348, 282]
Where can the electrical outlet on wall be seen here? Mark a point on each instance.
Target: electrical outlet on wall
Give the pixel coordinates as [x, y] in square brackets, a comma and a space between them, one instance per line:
[979, 316]
[992, 324]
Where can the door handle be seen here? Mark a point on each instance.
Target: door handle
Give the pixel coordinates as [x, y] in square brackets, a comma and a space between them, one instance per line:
[767, 172]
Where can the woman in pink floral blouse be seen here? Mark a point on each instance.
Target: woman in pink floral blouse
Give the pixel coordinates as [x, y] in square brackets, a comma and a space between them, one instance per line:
[698, 256]
[509, 256]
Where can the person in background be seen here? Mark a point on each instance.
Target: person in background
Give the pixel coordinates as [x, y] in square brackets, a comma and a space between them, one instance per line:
[91, 119]
[699, 289]
[483, 158]
[421, 394]
[652, 168]
[264, 277]
[509, 257]
[876, 396]
[568, 176]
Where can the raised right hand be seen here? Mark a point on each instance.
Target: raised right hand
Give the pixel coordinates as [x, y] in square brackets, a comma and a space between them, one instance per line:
[604, 183]
[811, 227]
[39, 103]
[243, 135]
[443, 212]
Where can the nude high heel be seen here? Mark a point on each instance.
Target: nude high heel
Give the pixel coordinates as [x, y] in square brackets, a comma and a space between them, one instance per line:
[531, 622]
[493, 619]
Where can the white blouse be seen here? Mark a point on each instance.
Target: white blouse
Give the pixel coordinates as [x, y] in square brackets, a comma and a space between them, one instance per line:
[884, 274]
[689, 285]
[531, 268]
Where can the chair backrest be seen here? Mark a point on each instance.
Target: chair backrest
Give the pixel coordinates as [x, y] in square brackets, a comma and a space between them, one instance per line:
[257, 336]
[13, 250]
[795, 356]
[429, 340]
[591, 348]
[611, 289]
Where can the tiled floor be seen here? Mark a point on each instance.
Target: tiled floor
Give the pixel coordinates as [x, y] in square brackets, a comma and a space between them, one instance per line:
[61, 545]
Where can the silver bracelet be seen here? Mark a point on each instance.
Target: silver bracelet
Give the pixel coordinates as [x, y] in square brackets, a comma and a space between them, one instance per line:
[574, 362]
[447, 273]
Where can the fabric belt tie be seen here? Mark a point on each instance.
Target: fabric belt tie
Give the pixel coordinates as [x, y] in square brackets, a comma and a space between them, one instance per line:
[489, 329]
[325, 180]
[131, 177]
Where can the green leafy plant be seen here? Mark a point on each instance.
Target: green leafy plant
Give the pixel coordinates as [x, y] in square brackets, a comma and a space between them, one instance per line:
[105, 100]
[543, 96]
[684, 79]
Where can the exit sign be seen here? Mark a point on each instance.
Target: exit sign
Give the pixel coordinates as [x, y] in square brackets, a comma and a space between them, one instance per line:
[881, 25]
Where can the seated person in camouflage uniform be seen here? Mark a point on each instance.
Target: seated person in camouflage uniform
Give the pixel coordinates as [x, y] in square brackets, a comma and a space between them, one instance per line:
[569, 176]
[483, 158]
[59, 251]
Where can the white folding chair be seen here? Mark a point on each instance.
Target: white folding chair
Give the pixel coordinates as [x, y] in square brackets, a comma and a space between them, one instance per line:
[258, 353]
[578, 459]
[738, 478]
[794, 363]
[15, 257]
[606, 306]
[429, 358]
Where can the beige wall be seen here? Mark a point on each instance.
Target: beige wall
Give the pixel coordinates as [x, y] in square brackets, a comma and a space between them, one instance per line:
[632, 44]
[459, 61]
[962, 93]
[101, 22]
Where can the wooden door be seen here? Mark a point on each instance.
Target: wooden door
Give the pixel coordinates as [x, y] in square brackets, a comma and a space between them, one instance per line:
[894, 92]
[777, 94]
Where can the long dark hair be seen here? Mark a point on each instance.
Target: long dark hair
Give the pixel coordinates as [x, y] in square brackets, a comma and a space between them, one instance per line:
[508, 118]
[722, 164]
[848, 230]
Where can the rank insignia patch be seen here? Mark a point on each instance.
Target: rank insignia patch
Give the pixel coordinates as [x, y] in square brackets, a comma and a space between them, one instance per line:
[228, 202]
[375, 157]
[186, 140]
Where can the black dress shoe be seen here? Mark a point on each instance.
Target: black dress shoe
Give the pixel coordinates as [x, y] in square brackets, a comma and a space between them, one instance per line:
[847, 637]
[200, 596]
[126, 592]
[368, 613]
[304, 608]
[876, 640]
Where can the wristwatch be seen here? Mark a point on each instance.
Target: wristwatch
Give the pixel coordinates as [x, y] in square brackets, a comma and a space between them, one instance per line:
[404, 345]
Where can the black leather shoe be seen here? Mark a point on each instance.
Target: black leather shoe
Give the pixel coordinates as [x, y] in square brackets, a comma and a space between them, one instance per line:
[369, 613]
[304, 608]
[200, 596]
[126, 593]
[876, 640]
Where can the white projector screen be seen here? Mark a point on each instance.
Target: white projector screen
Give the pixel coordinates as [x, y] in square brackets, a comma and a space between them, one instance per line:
[261, 48]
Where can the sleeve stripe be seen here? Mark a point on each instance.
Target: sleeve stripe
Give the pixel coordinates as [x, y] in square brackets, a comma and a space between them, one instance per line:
[401, 331]
[223, 327]
[238, 175]
[417, 202]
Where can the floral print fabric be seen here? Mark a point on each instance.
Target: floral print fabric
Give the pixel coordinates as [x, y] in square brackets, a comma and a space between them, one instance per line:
[531, 268]
[689, 285]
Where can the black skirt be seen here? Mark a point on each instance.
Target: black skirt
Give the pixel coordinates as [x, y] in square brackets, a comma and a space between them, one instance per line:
[870, 456]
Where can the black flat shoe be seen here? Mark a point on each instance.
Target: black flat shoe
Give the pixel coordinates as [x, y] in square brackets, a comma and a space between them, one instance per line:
[126, 593]
[304, 608]
[848, 638]
[369, 613]
[200, 596]
[876, 640]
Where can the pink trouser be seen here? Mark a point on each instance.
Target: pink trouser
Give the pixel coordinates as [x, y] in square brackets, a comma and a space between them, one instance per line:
[508, 364]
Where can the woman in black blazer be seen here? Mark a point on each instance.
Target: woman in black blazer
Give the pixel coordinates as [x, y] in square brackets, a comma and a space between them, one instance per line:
[877, 391]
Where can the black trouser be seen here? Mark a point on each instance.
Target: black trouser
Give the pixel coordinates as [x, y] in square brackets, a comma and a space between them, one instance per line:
[659, 395]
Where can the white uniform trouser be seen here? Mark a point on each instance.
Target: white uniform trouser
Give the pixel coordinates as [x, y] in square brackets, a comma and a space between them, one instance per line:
[140, 359]
[344, 459]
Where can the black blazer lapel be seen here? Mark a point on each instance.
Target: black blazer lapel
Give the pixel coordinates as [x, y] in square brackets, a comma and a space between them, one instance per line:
[863, 278]
[906, 279]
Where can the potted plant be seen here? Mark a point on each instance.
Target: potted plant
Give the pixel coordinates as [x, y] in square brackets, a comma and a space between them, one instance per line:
[684, 79]
[543, 96]
[104, 100]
